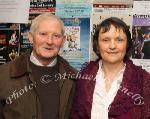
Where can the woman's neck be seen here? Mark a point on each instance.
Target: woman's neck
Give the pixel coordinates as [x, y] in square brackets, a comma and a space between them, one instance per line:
[110, 72]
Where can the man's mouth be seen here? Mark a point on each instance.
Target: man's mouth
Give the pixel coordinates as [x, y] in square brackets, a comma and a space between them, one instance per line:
[49, 48]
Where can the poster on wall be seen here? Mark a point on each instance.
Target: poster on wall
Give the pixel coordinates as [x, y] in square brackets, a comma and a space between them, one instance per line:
[3, 43]
[13, 42]
[98, 18]
[74, 1]
[141, 41]
[113, 1]
[9, 42]
[141, 7]
[112, 8]
[24, 40]
[72, 42]
[14, 11]
[141, 36]
[70, 10]
[41, 6]
[76, 46]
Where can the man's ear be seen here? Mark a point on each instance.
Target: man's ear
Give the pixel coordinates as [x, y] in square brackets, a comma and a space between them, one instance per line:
[64, 39]
[30, 36]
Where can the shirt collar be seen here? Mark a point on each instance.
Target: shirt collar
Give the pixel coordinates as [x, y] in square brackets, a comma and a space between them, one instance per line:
[35, 61]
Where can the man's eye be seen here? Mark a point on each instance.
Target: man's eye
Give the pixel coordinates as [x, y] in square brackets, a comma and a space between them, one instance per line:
[43, 34]
[57, 36]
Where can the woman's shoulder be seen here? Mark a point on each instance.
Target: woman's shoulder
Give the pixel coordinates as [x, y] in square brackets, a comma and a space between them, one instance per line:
[88, 66]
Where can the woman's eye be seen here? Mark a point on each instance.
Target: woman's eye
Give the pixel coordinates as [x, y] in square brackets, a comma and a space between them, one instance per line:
[119, 39]
[105, 40]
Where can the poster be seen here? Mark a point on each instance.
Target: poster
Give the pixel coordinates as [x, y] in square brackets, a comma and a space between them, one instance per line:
[141, 41]
[72, 42]
[141, 36]
[113, 8]
[141, 7]
[113, 1]
[3, 43]
[9, 42]
[41, 6]
[14, 11]
[69, 10]
[73, 1]
[76, 46]
[145, 63]
[24, 40]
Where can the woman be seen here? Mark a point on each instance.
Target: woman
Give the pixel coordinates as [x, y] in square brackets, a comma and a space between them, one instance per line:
[112, 87]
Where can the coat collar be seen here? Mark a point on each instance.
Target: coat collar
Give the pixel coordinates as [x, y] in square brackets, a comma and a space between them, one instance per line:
[126, 97]
[20, 66]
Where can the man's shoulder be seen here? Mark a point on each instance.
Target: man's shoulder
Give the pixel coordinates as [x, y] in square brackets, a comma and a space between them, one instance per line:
[4, 68]
[14, 66]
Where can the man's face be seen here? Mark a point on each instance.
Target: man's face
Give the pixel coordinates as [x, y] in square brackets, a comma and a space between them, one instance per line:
[47, 39]
[112, 45]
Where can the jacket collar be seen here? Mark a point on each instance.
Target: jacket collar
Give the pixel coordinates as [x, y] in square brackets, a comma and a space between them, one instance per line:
[128, 96]
[20, 66]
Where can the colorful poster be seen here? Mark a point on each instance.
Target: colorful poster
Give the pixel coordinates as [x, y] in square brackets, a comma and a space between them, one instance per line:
[72, 42]
[76, 46]
[24, 41]
[9, 42]
[41, 6]
[3, 43]
[141, 36]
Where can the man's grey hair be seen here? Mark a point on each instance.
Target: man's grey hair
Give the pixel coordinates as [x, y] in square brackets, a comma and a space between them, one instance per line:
[42, 17]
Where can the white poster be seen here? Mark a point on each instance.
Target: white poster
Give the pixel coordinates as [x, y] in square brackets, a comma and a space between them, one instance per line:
[141, 7]
[14, 11]
[145, 63]
[113, 1]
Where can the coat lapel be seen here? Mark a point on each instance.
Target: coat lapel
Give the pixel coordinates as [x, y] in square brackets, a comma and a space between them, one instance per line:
[127, 96]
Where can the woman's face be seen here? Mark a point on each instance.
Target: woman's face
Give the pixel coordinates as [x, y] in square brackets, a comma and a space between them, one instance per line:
[112, 45]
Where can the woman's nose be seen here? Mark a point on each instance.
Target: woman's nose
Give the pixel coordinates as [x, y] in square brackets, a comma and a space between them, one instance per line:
[112, 44]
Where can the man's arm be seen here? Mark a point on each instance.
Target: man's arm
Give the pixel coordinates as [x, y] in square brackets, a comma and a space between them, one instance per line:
[1, 108]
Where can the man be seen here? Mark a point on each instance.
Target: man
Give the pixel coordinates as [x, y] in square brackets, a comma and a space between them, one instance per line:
[39, 84]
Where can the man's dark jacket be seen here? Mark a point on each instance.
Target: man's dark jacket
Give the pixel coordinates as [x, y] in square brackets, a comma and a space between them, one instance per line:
[18, 97]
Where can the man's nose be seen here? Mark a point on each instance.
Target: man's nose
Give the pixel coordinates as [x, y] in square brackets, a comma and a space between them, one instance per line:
[50, 39]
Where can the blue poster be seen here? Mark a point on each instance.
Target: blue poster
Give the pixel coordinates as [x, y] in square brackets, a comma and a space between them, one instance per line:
[76, 46]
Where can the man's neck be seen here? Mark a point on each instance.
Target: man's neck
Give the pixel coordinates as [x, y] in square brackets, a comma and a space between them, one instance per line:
[42, 62]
